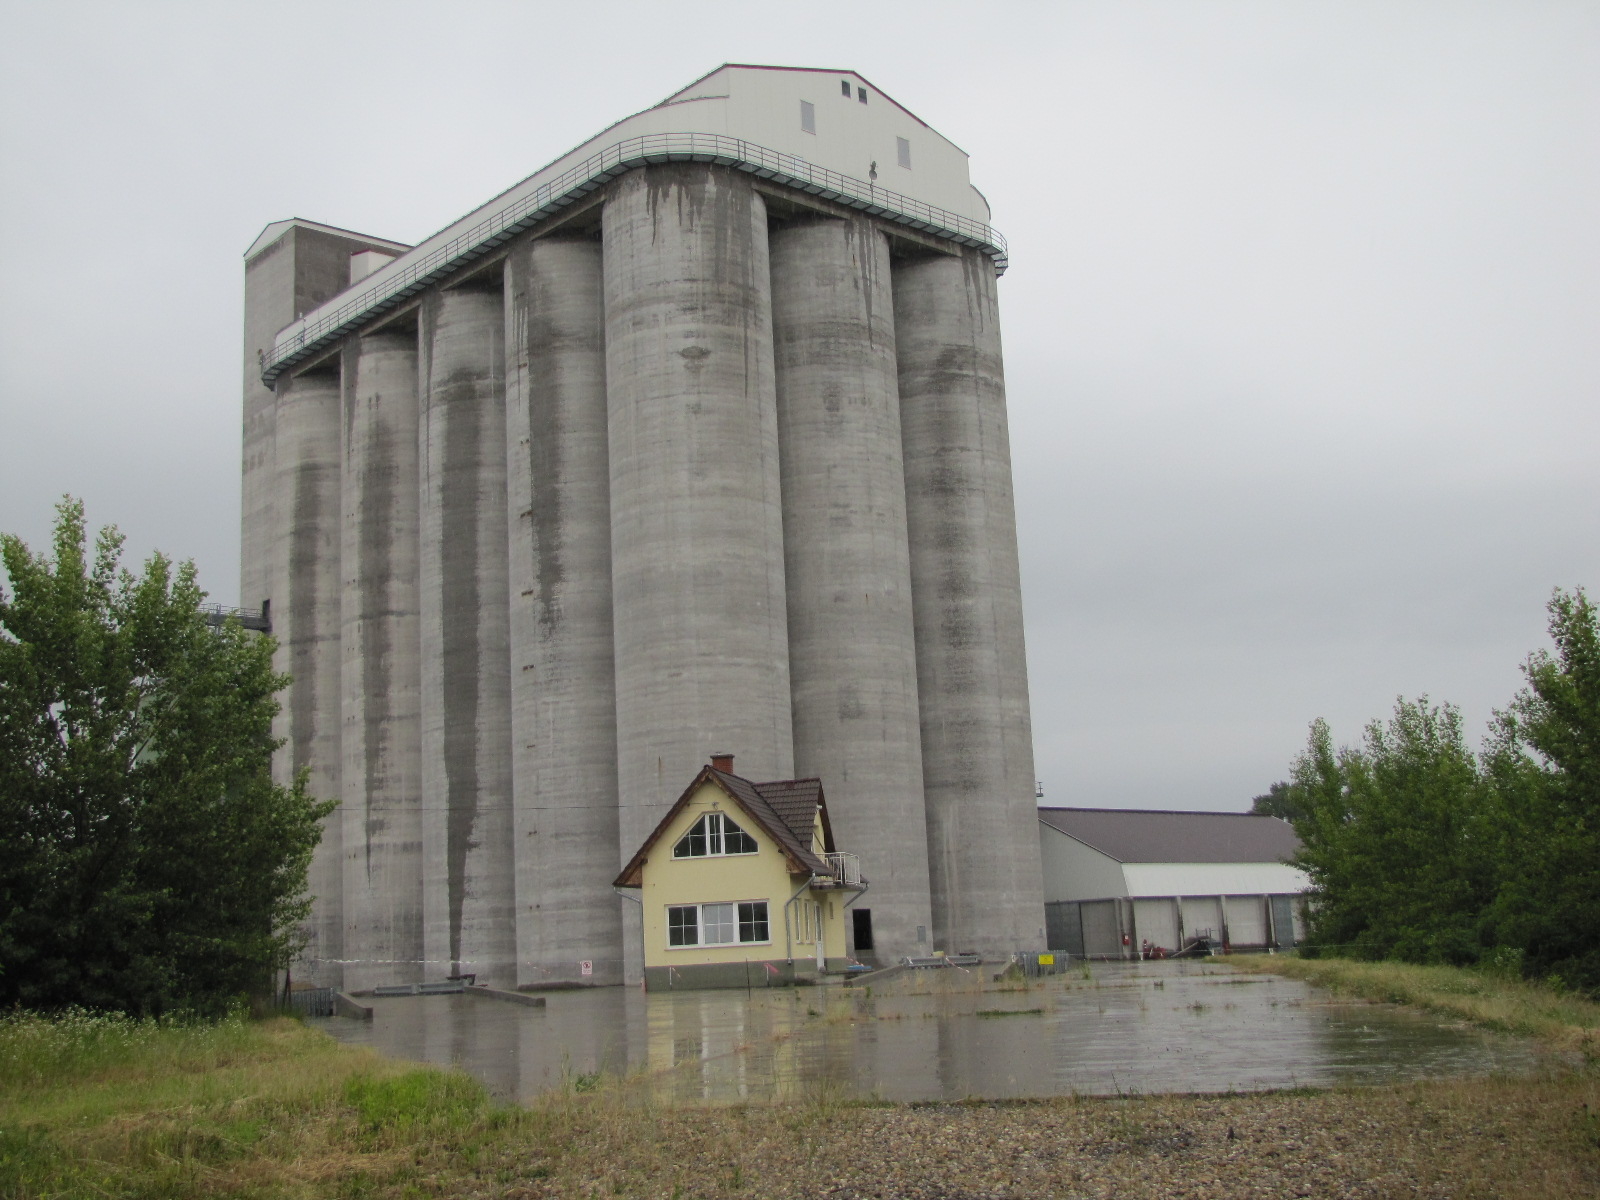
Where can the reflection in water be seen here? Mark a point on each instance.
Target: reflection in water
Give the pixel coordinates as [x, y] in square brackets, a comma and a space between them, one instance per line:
[1151, 1027]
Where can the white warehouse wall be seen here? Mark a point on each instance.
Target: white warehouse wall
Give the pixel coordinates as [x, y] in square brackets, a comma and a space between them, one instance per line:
[1074, 871]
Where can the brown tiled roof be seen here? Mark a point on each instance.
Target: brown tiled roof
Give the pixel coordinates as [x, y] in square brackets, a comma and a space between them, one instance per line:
[796, 801]
[787, 818]
[1133, 835]
[784, 819]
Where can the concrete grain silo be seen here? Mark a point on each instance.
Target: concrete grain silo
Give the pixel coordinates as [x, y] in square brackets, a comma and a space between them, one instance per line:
[694, 441]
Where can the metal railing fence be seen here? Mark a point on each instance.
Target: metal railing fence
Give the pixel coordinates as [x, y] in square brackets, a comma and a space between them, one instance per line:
[251, 618]
[846, 866]
[306, 336]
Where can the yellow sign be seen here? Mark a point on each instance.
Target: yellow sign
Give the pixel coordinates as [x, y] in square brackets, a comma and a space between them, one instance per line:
[1047, 960]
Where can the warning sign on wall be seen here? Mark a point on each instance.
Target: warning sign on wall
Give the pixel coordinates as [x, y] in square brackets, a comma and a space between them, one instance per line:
[586, 967]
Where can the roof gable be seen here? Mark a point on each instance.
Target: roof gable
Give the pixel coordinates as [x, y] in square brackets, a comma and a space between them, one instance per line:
[857, 77]
[277, 229]
[794, 843]
[1146, 836]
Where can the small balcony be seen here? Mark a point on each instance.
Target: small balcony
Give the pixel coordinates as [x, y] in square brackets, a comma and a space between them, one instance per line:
[846, 868]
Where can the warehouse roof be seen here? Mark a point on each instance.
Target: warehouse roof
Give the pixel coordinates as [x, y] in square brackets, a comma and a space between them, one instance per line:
[1146, 835]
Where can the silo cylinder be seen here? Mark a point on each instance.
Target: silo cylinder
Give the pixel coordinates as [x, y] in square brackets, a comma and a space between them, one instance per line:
[852, 646]
[562, 673]
[977, 747]
[465, 706]
[380, 777]
[696, 520]
[305, 617]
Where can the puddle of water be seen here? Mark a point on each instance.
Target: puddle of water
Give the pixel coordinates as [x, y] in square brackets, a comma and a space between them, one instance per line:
[1133, 1028]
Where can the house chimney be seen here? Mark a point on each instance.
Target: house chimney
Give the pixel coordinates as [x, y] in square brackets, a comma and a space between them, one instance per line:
[723, 763]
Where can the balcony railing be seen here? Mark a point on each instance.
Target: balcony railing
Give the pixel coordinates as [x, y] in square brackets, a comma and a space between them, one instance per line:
[391, 285]
[846, 868]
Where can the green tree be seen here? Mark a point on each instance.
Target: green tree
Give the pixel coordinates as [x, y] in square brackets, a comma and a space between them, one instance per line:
[1396, 837]
[1281, 800]
[149, 863]
[1544, 756]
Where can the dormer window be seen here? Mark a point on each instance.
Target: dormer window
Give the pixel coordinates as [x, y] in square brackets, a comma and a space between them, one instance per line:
[714, 835]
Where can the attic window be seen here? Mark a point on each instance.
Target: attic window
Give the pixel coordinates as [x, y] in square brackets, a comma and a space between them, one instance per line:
[808, 117]
[902, 148]
[844, 88]
[713, 835]
[861, 94]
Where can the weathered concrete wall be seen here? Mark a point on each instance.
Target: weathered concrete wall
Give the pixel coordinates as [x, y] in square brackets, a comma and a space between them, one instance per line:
[282, 282]
[465, 705]
[285, 488]
[305, 584]
[977, 745]
[737, 499]
[380, 779]
[852, 643]
[563, 674]
[696, 521]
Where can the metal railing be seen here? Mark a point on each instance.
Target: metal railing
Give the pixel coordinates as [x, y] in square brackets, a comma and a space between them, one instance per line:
[312, 1002]
[846, 867]
[390, 286]
[257, 619]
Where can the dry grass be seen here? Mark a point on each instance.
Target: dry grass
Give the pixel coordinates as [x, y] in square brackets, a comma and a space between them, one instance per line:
[1560, 1019]
[277, 1110]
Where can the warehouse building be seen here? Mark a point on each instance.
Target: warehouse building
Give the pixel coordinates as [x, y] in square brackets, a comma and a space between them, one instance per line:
[694, 440]
[1121, 882]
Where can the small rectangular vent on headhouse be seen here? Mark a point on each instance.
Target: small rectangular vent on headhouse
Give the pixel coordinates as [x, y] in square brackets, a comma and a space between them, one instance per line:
[808, 117]
[902, 149]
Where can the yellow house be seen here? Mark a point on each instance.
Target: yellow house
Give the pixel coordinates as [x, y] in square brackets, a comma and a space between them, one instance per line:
[742, 886]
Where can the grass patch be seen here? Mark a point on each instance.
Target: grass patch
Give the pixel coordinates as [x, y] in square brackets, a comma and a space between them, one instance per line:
[1561, 1019]
[109, 1106]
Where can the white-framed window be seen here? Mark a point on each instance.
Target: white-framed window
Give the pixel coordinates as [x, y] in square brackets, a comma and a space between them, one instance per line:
[808, 117]
[713, 836]
[902, 149]
[743, 922]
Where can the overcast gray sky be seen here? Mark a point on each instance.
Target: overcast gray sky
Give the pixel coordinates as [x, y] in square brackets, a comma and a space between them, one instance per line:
[1302, 328]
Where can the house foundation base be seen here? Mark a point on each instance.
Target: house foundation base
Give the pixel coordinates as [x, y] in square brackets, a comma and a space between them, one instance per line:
[798, 972]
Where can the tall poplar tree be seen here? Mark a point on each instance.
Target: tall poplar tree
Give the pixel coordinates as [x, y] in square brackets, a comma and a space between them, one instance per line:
[147, 861]
[1545, 758]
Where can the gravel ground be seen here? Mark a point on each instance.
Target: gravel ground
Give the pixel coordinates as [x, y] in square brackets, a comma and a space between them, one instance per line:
[1528, 1139]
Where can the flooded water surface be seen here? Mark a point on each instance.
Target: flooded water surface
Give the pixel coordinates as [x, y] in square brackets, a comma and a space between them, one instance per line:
[932, 1035]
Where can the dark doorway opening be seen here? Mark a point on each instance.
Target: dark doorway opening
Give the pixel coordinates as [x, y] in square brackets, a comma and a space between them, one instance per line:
[863, 928]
